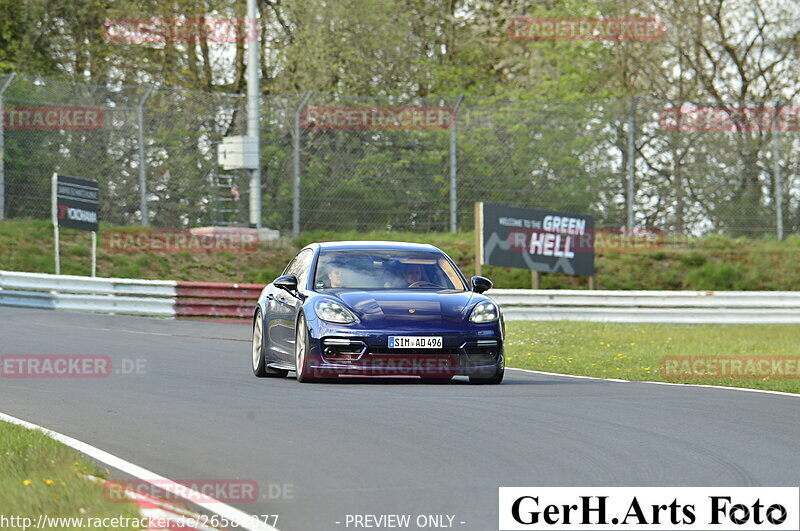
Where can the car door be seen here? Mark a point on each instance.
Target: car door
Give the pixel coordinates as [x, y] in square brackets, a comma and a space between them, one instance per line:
[287, 305]
[275, 322]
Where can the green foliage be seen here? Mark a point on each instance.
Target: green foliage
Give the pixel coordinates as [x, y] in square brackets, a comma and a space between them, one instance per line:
[713, 263]
[408, 52]
[715, 276]
[693, 259]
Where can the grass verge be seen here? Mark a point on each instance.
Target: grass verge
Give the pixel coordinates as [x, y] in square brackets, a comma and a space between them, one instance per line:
[637, 351]
[41, 476]
[711, 263]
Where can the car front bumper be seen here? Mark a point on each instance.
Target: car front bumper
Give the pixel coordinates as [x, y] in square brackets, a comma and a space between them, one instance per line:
[368, 355]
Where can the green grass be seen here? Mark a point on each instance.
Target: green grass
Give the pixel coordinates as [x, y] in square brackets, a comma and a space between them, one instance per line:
[711, 263]
[39, 475]
[635, 351]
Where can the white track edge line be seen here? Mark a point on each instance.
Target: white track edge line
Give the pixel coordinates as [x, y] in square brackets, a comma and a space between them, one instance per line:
[729, 388]
[244, 520]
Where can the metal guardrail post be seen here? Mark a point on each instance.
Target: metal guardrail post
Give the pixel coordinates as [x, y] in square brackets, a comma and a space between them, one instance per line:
[454, 169]
[296, 199]
[142, 168]
[2, 148]
[776, 164]
[631, 161]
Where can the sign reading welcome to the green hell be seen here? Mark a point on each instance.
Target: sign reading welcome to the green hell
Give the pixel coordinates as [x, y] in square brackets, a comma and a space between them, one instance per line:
[539, 240]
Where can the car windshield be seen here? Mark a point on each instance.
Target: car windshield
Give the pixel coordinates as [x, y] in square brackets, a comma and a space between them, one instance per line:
[385, 269]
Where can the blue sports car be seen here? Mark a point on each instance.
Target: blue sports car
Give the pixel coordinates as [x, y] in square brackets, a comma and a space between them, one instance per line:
[377, 309]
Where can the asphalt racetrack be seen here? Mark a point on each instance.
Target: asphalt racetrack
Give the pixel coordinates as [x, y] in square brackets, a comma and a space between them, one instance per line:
[322, 451]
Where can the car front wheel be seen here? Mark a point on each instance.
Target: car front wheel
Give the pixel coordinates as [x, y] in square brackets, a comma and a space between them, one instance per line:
[260, 368]
[301, 347]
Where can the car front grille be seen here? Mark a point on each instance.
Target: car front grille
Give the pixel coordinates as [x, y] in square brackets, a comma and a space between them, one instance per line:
[356, 351]
[378, 351]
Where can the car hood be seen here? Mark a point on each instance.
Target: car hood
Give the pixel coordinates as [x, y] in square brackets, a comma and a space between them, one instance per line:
[413, 308]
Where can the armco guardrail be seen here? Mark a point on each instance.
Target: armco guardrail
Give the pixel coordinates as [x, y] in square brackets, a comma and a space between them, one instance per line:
[104, 295]
[714, 307]
[155, 298]
[166, 298]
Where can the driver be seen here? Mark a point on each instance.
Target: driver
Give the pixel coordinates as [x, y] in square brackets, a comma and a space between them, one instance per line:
[412, 273]
[335, 278]
[331, 275]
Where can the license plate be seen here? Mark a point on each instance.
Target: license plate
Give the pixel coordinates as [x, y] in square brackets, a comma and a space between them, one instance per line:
[415, 342]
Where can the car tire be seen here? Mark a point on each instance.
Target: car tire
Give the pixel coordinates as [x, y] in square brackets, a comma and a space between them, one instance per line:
[301, 347]
[494, 379]
[259, 364]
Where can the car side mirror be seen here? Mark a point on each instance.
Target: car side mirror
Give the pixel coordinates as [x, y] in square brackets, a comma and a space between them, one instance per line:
[481, 284]
[286, 282]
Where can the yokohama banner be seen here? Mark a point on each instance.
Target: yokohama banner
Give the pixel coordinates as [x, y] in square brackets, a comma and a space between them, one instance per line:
[77, 202]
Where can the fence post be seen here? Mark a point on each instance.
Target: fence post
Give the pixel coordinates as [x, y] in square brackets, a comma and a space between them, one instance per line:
[256, 213]
[454, 168]
[296, 201]
[8, 81]
[776, 164]
[142, 168]
[631, 160]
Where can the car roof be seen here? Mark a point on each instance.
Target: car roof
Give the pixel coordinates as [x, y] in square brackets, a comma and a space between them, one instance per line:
[377, 245]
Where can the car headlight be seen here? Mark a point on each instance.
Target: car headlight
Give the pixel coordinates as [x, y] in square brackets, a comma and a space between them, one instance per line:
[334, 312]
[484, 312]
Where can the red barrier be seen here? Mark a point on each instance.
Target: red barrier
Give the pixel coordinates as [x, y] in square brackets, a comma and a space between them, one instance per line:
[234, 302]
[213, 290]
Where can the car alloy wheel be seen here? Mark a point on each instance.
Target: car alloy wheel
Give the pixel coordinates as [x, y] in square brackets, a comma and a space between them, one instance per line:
[260, 367]
[301, 347]
[258, 346]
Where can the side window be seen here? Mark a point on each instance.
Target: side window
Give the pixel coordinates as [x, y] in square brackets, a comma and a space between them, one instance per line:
[305, 265]
[299, 267]
[290, 268]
